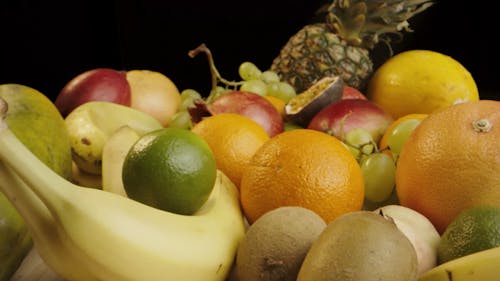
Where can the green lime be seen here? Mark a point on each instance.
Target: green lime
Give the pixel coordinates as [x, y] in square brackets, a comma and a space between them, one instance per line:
[473, 230]
[170, 169]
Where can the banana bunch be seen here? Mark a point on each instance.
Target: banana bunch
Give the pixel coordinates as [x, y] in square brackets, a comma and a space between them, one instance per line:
[479, 266]
[87, 234]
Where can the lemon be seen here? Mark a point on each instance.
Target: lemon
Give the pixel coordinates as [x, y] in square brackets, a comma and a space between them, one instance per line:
[420, 81]
[170, 169]
[473, 230]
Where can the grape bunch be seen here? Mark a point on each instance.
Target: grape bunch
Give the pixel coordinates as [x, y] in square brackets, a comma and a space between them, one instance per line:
[264, 83]
[378, 165]
[182, 118]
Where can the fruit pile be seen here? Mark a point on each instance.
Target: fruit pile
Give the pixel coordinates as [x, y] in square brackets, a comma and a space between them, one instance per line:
[313, 169]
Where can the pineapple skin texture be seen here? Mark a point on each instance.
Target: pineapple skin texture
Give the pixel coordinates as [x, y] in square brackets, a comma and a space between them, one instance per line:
[315, 52]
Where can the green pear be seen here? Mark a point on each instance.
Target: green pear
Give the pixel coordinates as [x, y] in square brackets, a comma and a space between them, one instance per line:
[92, 123]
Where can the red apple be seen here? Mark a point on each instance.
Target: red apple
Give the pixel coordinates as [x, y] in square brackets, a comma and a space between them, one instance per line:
[249, 104]
[350, 114]
[100, 84]
[352, 93]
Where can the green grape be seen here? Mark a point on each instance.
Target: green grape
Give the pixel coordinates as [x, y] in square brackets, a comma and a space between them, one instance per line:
[353, 150]
[281, 90]
[255, 86]
[269, 76]
[287, 91]
[273, 89]
[398, 136]
[358, 137]
[187, 98]
[379, 174]
[249, 71]
[181, 119]
[368, 148]
[185, 104]
[190, 94]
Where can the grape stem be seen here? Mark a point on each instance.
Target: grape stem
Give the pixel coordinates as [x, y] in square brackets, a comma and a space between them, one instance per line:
[216, 77]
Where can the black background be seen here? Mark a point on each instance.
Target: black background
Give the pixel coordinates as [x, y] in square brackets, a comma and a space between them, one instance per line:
[43, 44]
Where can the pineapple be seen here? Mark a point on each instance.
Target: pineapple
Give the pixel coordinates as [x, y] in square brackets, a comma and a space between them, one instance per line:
[341, 44]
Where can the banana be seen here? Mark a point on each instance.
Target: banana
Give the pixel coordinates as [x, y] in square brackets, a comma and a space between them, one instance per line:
[43, 227]
[34, 268]
[479, 266]
[15, 239]
[113, 155]
[90, 125]
[87, 234]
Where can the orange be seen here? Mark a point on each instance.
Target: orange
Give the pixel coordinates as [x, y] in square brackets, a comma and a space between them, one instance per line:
[305, 168]
[420, 81]
[451, 162]
[234, 139]
[279, 104]
[383, 144]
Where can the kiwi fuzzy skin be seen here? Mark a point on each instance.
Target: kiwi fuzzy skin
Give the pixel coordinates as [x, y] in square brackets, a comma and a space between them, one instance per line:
[357, 246]
[276, 244]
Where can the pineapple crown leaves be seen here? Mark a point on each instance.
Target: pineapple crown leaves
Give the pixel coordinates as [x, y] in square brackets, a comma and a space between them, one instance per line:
[368, 22]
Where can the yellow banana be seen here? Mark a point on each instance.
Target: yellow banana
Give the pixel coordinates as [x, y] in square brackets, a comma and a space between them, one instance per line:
[90, 125]
[43, 228]
[87, 234]
[479, 266]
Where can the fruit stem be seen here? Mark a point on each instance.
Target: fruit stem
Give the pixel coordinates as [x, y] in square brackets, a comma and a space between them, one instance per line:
[482, 125]
[216, 77]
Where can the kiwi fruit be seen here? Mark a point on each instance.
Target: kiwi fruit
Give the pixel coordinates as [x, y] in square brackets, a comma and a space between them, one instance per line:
[360, 245]
[276, 244]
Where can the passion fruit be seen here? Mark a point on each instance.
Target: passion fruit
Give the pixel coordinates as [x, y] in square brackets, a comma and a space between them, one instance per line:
[304, 106]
